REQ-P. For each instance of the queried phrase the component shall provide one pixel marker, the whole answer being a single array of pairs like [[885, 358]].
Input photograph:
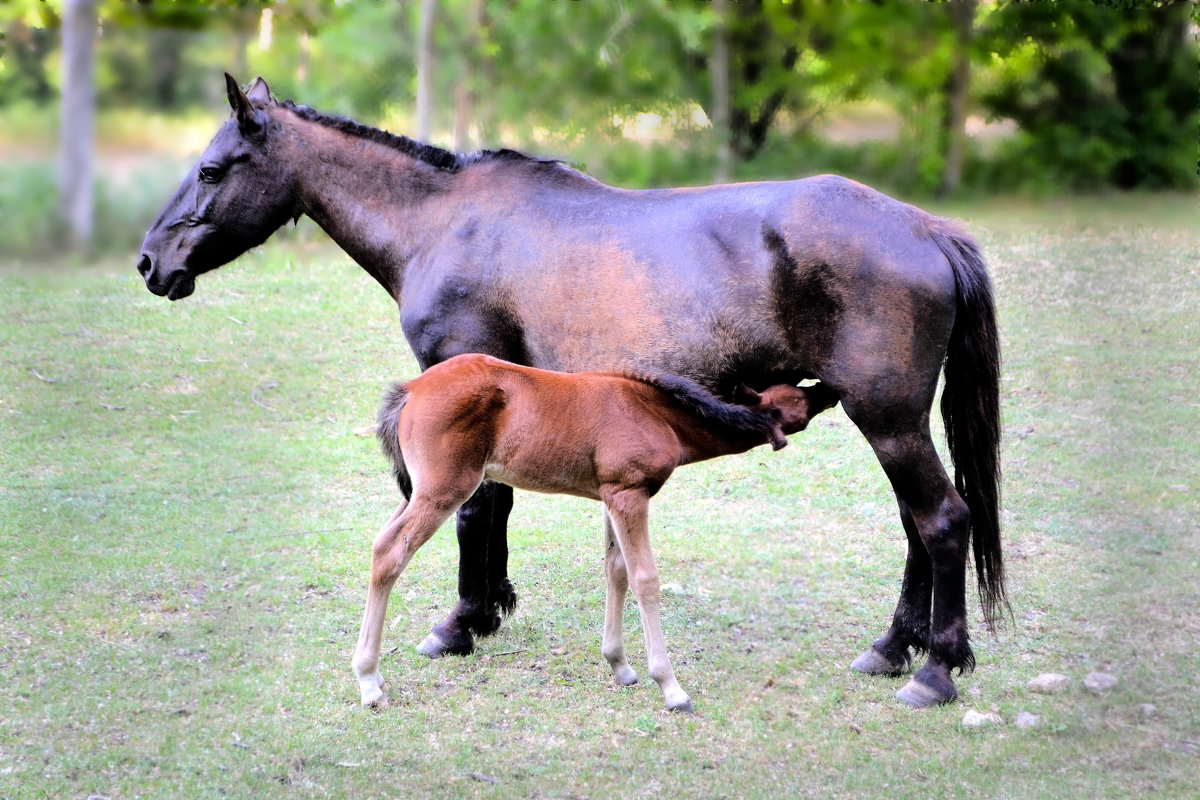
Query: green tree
[[28, 35], [78, 107], [1103, 94]]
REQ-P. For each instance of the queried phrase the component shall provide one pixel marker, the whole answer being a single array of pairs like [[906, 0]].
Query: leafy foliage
[[1102, 95]]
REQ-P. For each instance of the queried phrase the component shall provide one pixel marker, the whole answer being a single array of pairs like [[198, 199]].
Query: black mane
[[426, 153], [708, 407]]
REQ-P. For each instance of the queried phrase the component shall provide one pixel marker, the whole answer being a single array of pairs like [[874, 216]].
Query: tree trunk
[[77, 112], [425, 71], [719, 70], [958, 87], [464, 88]]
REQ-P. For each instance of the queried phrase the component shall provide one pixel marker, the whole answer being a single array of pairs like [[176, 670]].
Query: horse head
[[233, 198], [792, 407]]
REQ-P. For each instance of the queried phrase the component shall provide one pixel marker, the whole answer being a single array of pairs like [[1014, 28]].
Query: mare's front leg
[[617, 585], [484, 591], [411, 525], [629, 510]]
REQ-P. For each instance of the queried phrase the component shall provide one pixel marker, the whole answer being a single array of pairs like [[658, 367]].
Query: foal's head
[[792, 406], [233, 199]]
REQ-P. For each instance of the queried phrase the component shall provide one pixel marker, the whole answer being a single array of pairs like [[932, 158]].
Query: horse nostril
[[145, 266]]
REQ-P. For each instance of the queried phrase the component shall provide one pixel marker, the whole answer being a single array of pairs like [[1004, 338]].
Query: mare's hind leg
[[617, 582], [935, 578], [485, 593], [892, 654], [412, 524]]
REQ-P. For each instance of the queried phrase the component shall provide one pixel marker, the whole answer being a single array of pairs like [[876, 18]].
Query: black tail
[[971, 411], [389, 439]]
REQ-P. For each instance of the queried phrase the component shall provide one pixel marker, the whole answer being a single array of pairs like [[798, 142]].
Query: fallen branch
[[257, 389], [479, 776]]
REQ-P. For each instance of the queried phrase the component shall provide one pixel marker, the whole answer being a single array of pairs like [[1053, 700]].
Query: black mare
[[758, 283]]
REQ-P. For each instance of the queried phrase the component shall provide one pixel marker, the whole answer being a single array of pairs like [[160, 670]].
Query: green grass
[[186, 515]]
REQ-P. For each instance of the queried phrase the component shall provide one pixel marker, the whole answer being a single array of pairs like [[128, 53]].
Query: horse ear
[[743, 395], [259, 92], [241, 106], [237, 98]]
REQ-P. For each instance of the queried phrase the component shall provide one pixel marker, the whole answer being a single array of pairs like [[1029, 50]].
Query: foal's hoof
[[874, 662], [683, 708], [920, 695], [374, 696], [625, 675]]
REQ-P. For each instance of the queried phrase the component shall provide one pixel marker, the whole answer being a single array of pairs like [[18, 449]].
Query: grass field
[[186, 515]]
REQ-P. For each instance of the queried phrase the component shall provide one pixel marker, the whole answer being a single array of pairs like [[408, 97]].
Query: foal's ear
[[743, 395], [241, 103]]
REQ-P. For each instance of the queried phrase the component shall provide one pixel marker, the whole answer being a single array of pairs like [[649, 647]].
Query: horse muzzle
[[174, 285]]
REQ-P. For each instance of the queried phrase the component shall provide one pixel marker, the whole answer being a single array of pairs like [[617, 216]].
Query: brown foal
[[609, 437]]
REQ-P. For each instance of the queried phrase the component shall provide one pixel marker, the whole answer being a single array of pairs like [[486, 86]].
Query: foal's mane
[[710, 408], [426, 153]]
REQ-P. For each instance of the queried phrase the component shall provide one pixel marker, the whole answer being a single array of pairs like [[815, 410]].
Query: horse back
[[544, 431], [763, 283]]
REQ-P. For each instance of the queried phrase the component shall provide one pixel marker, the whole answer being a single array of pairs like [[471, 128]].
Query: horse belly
[[548, 471], [686, 310]]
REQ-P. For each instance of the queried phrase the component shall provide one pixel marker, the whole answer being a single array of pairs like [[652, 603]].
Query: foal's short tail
[[389, 439], [971, 411]]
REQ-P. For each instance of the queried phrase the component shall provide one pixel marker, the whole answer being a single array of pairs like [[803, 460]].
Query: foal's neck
[[701, 441]]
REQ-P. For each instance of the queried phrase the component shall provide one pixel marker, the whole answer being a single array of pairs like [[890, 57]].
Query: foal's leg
[[484, 591], [629, 511], [410, 527], [617, 582]]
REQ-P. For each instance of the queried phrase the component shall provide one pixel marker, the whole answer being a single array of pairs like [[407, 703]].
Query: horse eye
[[211, 174]]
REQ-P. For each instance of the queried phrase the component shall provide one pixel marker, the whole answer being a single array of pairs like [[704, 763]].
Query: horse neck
[[378, 204], [702, 440]]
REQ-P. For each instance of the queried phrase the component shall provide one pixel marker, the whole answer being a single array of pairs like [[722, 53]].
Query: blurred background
[[105, 103]]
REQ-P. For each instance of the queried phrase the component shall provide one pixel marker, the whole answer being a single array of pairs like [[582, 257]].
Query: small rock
[[1148, 710], [975, 719], [1049, 683], [1026, 720], [1099, 682]]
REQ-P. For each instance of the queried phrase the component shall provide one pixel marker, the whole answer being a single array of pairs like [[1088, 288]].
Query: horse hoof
[[682, 708], [373, 697], [874, 662], [919, 695], [433, 646]]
